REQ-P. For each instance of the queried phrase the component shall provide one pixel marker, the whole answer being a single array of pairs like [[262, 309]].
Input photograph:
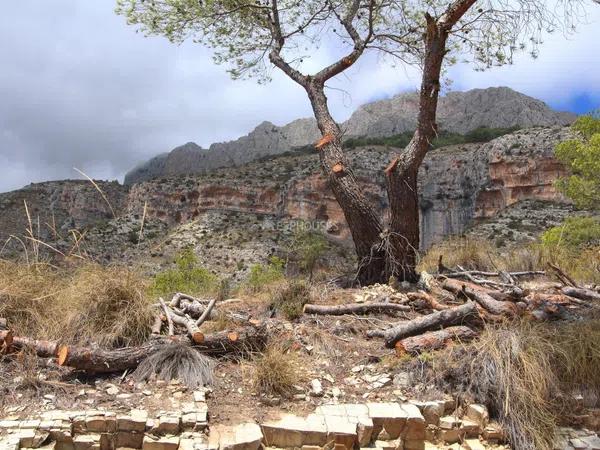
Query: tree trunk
[[403, 238], [362, 218]]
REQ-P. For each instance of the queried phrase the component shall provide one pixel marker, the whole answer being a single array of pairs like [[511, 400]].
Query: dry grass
[[466, 252], [177, 362], [582, 265], [289, 299], [276, 371], [526, 373], [90, 304]]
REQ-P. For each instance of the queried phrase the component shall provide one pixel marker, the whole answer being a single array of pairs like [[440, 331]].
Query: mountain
[[458, 112]]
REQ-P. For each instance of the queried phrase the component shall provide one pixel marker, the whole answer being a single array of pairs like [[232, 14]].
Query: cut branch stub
[[338, 169], [62, 354], [391, 166], [327, 139]]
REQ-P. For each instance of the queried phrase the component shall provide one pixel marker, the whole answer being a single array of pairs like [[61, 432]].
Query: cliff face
[[458, 112], [55, 207], [500, 190], [459, 186]]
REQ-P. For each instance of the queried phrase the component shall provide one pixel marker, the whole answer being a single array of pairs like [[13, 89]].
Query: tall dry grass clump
[[90, 304], [527, 374], [469, 253], [582, 264], [276, 371]]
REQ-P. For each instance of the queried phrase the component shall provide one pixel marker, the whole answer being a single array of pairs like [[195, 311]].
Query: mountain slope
[[458, 112]]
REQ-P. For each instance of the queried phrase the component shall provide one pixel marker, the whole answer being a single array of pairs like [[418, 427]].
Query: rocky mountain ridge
[[245, 213], [458, 112]]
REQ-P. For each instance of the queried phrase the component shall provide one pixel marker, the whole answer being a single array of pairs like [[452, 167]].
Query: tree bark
[[581, 293], [433, 340], [358, 308], [449, 317], [364, 222]]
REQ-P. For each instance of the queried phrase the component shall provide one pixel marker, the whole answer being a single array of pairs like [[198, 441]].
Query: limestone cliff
[[460, 185]]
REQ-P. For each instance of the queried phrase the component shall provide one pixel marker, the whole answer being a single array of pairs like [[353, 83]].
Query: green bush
[[444, 138], [307, 248], [264, 274], [574, 233], [187, 276], [582, 157]]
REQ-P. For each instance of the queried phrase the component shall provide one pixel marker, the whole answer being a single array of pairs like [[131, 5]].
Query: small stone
[[479, 414], [473, 444], [316, 388], [161, 443], [112, 390], [199, 396], [168, 425]]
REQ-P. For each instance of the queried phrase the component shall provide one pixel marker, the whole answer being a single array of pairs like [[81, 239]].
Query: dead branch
[[93, 360], [168, 314], [562, 276], [581, 293], [357, 308], [482, 297], [427, 298], [433, 340], [439, 319], [206, 312]]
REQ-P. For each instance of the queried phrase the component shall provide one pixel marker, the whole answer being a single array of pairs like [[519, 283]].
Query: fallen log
[[94, 360], [428, 299], [482, 297], [581, 293], [439, 319], [358, 308], [10, 343], [433, 340]]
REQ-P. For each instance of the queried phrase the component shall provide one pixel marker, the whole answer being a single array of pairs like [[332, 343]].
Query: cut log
[[3, 324], [581, 293], [11, 343], [193, 331], [94, 360], [429, 299], [453, 316], [433, 340], [354, 308], [482, 297]]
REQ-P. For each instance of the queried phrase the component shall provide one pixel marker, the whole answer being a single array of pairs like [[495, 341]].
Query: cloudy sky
[[79, 88]]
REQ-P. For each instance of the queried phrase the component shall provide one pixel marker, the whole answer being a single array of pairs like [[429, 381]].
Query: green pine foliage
[[582, 157]]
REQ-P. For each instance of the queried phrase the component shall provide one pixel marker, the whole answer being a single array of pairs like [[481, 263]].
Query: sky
[[80, 89]]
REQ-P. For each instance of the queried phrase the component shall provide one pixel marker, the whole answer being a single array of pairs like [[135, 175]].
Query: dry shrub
[[526, 373], [583, 265], [467, 252], [289, 299], [112, 309], [276, 371], [177, 362], [91, 304]]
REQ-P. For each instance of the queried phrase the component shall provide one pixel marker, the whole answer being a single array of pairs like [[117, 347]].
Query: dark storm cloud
[[79, 88]]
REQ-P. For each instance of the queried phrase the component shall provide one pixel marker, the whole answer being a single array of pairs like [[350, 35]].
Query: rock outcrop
[[458, 112], [240, 214], [55, 207], [460, 186]]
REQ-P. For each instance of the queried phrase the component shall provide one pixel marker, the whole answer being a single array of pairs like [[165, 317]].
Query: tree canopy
[[247, 34], [582, 157]]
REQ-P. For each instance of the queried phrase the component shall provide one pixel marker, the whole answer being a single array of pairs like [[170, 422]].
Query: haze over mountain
[[458, 112]]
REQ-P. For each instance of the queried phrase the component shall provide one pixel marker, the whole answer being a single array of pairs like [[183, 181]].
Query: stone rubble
[[411, 425]]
